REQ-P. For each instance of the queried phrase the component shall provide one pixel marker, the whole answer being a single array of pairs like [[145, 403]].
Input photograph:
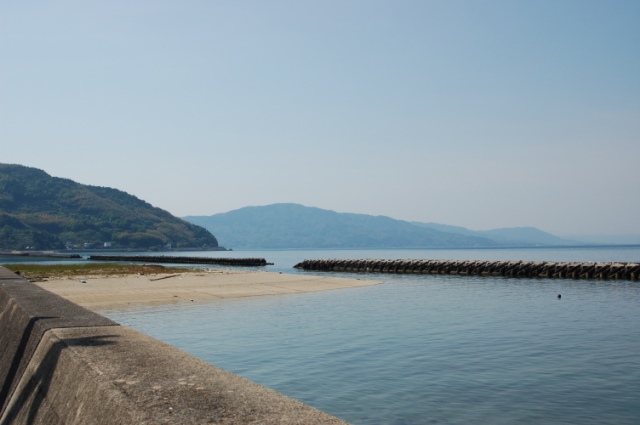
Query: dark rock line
[[527, 269], [42, 254], [240, 262]]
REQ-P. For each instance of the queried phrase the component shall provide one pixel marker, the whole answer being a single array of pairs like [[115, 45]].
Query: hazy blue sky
[[480, 114]]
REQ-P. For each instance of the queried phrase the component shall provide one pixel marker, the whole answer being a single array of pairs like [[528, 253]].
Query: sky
[[482, 114]]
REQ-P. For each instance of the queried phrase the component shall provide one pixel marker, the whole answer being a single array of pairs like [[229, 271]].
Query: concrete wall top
[[26, 313]]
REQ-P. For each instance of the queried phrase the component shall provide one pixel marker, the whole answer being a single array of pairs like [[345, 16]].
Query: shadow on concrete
[[18, 359], [38, 385]]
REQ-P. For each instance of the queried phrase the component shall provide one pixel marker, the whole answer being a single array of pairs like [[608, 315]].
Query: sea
[[429, 349]]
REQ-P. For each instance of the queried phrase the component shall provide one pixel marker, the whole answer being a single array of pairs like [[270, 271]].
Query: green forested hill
[[45, 212]]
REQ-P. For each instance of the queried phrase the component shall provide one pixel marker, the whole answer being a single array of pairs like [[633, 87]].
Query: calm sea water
[[430, 349]]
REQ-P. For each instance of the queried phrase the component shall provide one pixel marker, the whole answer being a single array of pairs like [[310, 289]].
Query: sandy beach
[[115, 292]]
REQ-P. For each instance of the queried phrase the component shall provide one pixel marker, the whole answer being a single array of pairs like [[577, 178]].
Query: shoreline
[[118, 292]]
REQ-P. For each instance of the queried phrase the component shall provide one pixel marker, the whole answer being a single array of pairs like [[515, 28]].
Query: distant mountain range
[[43, 212], [282, 226], [526, 236]]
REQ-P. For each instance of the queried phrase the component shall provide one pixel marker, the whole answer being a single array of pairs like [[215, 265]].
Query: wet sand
[[116, 292]]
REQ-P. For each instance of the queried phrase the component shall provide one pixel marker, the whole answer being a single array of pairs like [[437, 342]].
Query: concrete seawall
[[528, 269], [63, 364], [238, 262]]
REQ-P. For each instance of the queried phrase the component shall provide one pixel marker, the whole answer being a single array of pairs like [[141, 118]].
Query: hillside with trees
[[44, 212], [279, 226], [296, 226]]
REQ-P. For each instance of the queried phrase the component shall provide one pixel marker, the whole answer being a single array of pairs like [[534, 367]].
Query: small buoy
[[559, 296]]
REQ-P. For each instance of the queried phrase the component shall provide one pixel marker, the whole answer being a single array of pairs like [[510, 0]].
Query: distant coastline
[[76, 253], [64, 252]]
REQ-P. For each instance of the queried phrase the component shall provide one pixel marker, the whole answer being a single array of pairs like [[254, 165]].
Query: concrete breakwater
[[528, 269], [239, 262], [42, 254], [62, 364]]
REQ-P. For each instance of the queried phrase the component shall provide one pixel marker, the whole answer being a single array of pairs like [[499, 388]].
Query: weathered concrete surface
[[26, 313], [115, 375], [97, 372], [238, 262], [524, 269]]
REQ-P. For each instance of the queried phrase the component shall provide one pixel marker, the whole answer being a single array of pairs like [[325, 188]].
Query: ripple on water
[[429, 349]]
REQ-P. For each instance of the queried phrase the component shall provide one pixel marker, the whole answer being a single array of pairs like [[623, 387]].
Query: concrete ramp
[[63, 364]]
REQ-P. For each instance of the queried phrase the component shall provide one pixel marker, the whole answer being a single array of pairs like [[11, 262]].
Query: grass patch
[[43, 271]]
